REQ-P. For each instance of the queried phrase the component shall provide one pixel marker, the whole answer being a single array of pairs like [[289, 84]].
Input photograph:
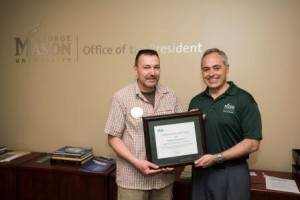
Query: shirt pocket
[[165, 111]]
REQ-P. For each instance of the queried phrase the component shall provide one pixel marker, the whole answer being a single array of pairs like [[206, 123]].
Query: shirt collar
[[232, 90]]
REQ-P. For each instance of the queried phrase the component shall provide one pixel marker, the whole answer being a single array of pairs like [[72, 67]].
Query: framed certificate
[[174, 139]]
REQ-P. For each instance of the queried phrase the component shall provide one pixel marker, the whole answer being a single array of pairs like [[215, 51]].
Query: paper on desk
[[285, 185], [9, 156], [253, 174]]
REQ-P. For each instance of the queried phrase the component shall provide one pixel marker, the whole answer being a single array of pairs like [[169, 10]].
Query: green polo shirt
[[229, 119]]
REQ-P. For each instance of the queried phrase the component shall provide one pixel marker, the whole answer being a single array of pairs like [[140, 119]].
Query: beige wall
[[63, 97]]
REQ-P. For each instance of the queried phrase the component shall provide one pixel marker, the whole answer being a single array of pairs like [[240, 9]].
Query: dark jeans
[[228, 181]]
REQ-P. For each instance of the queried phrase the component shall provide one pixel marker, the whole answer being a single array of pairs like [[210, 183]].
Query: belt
[[228, 163]]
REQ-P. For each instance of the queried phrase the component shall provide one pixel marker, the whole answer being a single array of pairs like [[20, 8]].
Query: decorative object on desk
[[98, 164], [11, 155], [43, 159], [72, 155], [296, 166], [2, 149]]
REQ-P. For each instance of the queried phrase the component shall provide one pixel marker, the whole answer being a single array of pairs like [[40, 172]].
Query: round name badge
[[136, 112]]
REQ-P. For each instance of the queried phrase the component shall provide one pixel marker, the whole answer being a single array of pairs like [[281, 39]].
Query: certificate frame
[[174, 139]]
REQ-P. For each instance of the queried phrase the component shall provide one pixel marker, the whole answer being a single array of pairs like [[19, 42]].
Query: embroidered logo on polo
[[228, 108]]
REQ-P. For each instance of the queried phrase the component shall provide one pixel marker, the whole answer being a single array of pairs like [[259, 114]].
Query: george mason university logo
[[43, 49], [228, 108]]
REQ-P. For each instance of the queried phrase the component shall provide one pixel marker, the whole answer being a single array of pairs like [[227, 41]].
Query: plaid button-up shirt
[[120, 123]]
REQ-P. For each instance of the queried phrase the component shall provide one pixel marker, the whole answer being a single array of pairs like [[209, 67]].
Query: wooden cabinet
[[182, 188], [61, 182], [9, 178], [259, 191], [27, 179]]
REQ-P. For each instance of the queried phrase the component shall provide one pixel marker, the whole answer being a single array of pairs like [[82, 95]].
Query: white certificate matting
[[175, 140]]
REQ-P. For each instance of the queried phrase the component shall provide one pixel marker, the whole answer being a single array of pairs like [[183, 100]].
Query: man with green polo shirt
[[233, 130]]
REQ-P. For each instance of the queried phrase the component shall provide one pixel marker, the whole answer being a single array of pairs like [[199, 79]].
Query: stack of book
[[72, 155]]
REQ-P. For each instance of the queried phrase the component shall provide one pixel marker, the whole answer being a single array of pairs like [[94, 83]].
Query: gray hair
[[218, 51]]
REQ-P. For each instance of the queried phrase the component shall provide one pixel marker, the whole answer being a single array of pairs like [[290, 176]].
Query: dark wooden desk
[[61, 182], [113, 186], [8, 176], [182, 188], [259, 191]]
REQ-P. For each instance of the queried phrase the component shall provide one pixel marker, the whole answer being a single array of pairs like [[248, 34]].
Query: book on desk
[[72, 155], [98, 164]]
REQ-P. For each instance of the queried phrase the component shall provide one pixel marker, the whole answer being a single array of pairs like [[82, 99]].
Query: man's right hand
[[147, 168]]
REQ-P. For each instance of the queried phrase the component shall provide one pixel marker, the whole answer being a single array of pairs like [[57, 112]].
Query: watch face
[[73, 150], [220, 159]]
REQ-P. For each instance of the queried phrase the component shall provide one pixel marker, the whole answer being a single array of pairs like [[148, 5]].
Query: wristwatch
[[219, 158]]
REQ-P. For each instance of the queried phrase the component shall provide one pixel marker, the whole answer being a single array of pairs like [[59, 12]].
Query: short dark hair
[[149, 52], [218, 51]]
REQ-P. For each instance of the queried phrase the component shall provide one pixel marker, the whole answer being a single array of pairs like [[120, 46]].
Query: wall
[[57, 73]]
